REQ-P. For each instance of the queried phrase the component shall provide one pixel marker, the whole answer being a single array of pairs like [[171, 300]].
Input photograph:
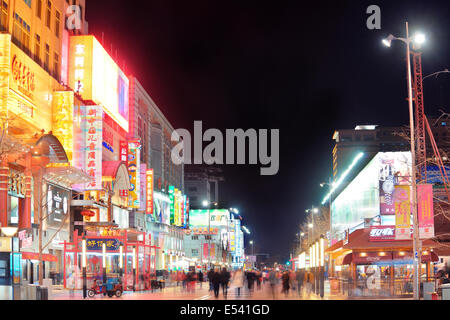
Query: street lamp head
[[310, 225], [419, 38], [322, 184], [302, 234], [205, 203], [387, 42], [251, 241], [315, 210]]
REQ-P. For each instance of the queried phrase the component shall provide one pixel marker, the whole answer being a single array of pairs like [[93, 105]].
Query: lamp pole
[[417, 245]]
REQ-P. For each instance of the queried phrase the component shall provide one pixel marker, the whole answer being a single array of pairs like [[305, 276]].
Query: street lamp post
[[205, 203], [417, 246], [312, 210]]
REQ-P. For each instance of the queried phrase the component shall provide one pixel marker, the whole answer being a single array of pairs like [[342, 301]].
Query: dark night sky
[[306, 69]]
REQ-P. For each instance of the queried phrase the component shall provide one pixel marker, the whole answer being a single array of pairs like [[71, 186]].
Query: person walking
[[224, 281], [238, 281], [258, 276], [299, 276], [210, 277], [250, 280], [273, 282], [200, 278], [285, 283], [216, 279]]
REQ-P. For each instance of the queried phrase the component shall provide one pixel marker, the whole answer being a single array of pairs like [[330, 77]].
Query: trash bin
[[445, 291]]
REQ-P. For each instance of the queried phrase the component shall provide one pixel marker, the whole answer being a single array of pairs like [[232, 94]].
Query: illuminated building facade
[[36, 155]]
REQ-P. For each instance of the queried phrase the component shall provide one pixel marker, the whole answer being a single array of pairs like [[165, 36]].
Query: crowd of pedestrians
[[274, 281]]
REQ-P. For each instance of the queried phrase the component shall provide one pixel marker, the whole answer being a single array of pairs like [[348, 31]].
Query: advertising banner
[[382, 233], [402, 212], [172, 204], [149, 201], [93, 156], [58, 204], [176, 207], [63, 120], [133, 170], [205, 251], [425, 211], [212, 251]]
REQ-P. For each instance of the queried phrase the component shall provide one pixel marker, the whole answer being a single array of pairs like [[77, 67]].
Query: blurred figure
[[258, 276], [216, 279], [292, 280], [238, 281], [309, 282], [190, 281], [224, 280], [183, 279], [200, 278], [210, 277], [250, 280], [273, 282], [299, 276], [285, 283]]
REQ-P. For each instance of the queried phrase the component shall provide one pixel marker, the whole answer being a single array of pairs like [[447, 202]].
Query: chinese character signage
[[149, 201], [133, 171], [172, 205], [93, 154], [97, 244], [425, 210], [63, 119], [402, 213], [123, 149]]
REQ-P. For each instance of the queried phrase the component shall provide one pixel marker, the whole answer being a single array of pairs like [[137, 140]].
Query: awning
[[67, 175], [336, 246], [35, 256], [57, 152], [381, 257], [117, 172]]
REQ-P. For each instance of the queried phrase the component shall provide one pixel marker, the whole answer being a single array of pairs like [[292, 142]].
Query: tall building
[[369, 139], [149, 125], [202, 183], [36, 152]]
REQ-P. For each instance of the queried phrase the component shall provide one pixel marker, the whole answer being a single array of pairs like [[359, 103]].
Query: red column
[[25, 217], [4, 171]]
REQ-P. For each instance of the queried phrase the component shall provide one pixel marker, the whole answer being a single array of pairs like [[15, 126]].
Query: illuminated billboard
[[96, 77], [134, 172], [218, 218], [367, 195], [63, 120]]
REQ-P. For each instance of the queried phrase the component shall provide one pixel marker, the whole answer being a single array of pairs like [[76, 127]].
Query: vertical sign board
[[133, 171], [93, 155], [149, 187], [143, 187], [175, 207], [184, 212], [205, 251], [402, 213], [187, 212], [62, 120], [386, 183], [172, 198], [425, 211], [124, 152]]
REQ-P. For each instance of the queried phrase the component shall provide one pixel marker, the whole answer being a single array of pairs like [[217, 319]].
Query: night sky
[[306, 69]]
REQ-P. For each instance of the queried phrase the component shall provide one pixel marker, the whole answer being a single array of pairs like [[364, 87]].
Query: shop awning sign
[[97, 244]]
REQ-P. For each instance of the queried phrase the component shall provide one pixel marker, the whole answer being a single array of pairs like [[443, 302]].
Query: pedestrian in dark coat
[[200, 278], [224, 280], [210, 277], [250, 280], [216, 280], [285, 282]]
